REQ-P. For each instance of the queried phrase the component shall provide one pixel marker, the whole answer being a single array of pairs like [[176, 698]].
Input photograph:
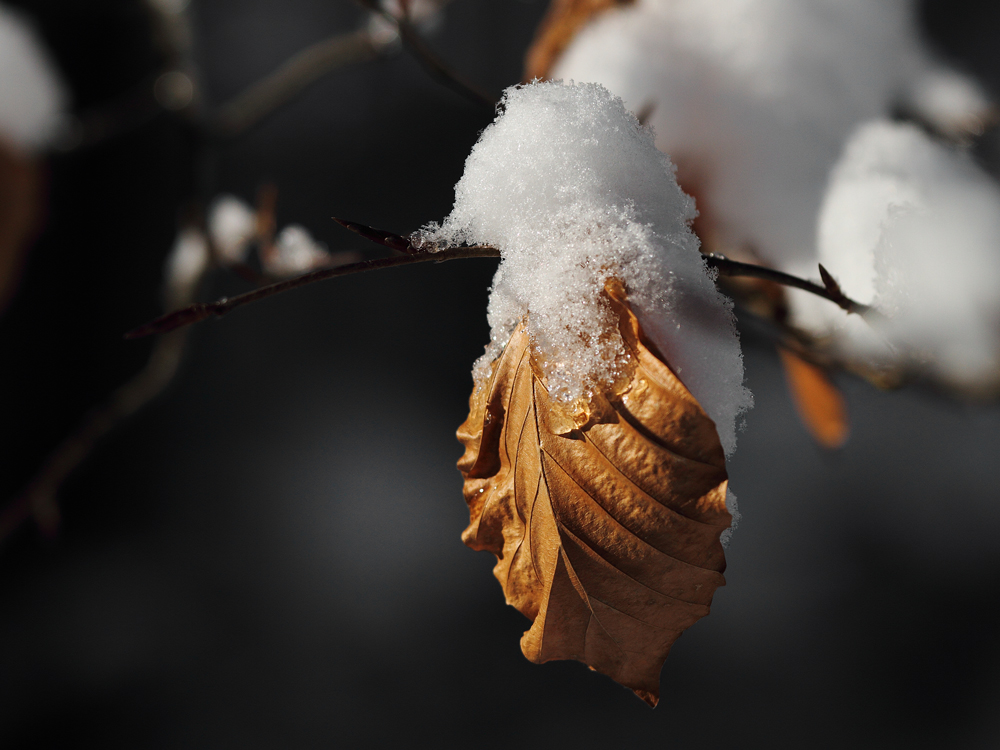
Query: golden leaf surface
[[605, 523], [562, 21]]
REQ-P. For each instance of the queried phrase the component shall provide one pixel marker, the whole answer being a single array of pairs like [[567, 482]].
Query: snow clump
[[913, 227], [754, 99], [185, 266], [294, 252], [33, 97], [573, 192], [426, 14], [232, 224]]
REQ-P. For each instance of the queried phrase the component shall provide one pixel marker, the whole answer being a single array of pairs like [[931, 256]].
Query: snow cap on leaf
[[572, 190]]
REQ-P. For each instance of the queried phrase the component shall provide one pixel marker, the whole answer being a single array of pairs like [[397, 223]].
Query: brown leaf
[[818, 401], [562, 22], [606, 522], [20, 204]]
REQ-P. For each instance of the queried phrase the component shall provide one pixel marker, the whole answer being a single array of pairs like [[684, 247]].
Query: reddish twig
[[413, 254], [380, 236], [201, 311]]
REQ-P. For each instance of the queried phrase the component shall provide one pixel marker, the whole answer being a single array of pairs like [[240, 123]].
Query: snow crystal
[[573, 192], [734, 510], [32, 95], [294, 252], [913, 227], [231, 225], [754, 99]]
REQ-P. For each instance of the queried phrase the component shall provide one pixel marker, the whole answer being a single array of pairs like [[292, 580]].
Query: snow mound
[[573, 192], [32, 95], [754, 99], [913, 227]]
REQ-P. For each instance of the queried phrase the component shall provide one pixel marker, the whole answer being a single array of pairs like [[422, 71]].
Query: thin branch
[[38, 500], [414, 254], [201, 311], [434, 65], [392, 241], [439, 70], [294, 76], [830, 291], [39, 497]]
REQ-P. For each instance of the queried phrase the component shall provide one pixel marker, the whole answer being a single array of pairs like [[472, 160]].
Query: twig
[[38, 500], [39, 497], [437, 68], [289, 80], [830, 291], [433, 64], [415, 254], [201, 311], [388, 239]]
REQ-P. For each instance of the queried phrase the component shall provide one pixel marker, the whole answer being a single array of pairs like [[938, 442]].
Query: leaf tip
[[652, 699]]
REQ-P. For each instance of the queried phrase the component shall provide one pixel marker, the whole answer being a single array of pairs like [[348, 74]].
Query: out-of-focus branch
[[438, 70], [187, 266], [289, 80], [175, 88], [433, 64], [38, 500]]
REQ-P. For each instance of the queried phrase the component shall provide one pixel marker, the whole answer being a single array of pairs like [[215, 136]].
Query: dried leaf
[[605, 522], [563, 20], [20, 204], [818, 401]]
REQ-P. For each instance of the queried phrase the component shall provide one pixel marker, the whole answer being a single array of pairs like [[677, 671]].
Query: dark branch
[[201, 311], [380, 236], [831, 291], [278, 88], [39, 498], [414, 254], [433, 64], [439, 70]]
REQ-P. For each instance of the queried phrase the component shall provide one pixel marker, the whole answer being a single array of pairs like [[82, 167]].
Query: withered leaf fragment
[[606, 526], [818, 401], [21, 197], [561, 23]]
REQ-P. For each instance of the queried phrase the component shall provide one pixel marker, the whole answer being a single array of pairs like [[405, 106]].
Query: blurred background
[[268, 556]]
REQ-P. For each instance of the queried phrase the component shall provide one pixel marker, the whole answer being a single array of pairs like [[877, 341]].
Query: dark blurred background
[[269, 556]]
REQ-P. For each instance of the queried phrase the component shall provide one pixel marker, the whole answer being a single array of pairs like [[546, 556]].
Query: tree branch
[[830, 291], [433, 64], [289, 80], [412, 254], [201, 311], [38, 499]]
